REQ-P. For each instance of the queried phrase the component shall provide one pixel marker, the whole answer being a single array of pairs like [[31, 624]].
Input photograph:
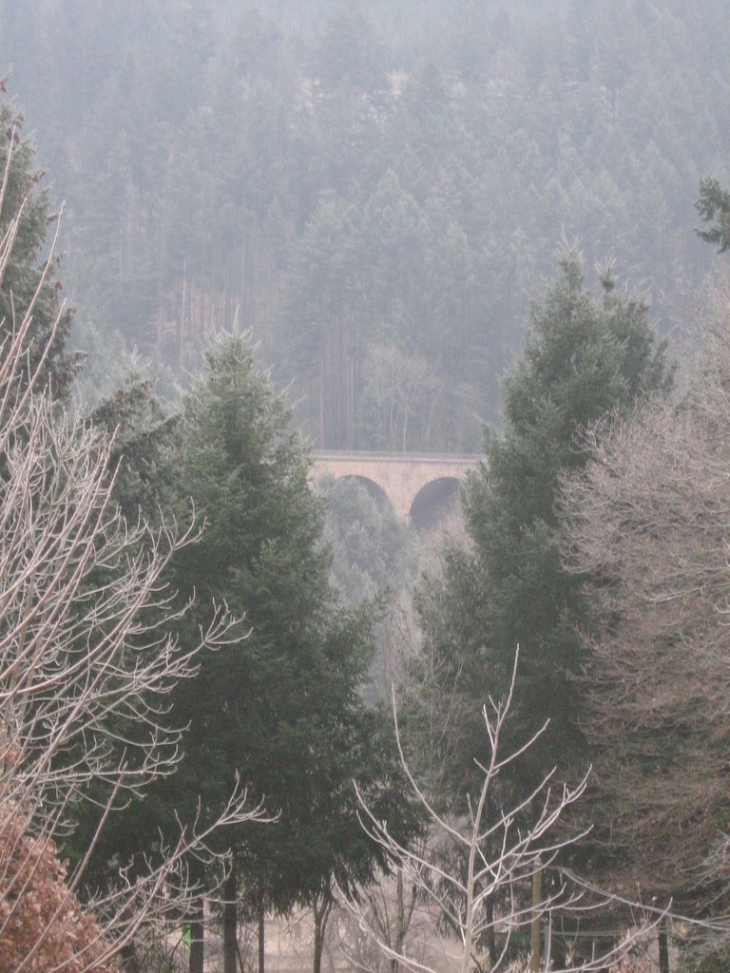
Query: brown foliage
[[43, 927]]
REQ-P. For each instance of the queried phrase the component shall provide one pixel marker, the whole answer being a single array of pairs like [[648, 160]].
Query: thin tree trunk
[[262, 935], [196, 919], [230, 923], [491, 938], [183, 312], [196, 962], [400, 931], [318, 947], [663, 947], [322, 444], [535, 945], [400, 921], [321, 915]]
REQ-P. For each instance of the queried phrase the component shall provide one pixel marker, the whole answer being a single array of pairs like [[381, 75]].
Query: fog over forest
[[377, 189], [458, 704]]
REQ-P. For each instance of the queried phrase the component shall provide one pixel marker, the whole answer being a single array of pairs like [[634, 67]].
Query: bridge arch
[[435, 502], [374, 489]]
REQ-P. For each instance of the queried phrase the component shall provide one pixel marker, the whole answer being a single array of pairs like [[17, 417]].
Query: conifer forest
[[254, 715]]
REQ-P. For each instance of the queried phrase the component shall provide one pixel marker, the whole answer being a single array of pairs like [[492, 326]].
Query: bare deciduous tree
[[86, 665], [400, 397], [648, 525], [478, 874]]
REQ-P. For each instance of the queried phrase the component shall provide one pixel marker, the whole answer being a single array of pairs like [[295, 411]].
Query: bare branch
[[647, 527], [475, 873], [87, 665]]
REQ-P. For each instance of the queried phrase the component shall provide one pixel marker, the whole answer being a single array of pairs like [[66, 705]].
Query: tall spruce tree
[[584, 359], [280, 706]]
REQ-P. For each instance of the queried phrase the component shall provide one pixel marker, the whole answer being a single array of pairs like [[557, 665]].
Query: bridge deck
[[469, 459]]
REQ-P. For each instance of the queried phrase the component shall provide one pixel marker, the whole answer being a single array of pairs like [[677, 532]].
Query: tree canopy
[[368, 182], [29, 284], [584, 359], [280, 706]]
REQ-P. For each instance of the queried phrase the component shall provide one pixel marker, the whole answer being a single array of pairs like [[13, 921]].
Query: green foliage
[[351, 52], [139, 459], [354, 178], [369, 545], [279, 706], [714, 205], [584, 359]]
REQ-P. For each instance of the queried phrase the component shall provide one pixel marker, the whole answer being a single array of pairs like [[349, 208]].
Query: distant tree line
[[375, 191]]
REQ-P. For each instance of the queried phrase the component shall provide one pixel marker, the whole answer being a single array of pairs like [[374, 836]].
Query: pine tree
[[714, 208], [280, 705], [583, 360]]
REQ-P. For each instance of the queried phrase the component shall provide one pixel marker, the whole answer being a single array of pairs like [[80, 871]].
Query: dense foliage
[[584, 360], [87, 659], [94, 645], [646, 530], [280, 706], [29, 284], [377, 188], [375, 192]]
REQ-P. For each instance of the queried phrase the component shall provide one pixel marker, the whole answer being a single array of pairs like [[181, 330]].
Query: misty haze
[[364, 486]]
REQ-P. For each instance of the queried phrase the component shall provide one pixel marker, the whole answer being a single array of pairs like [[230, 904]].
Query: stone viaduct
[[416, 485]]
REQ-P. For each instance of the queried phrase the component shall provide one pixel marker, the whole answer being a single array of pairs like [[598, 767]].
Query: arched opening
[[374, 489], [436, 503]]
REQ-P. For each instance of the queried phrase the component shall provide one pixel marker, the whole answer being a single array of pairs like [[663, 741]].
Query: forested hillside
[[376, 190]]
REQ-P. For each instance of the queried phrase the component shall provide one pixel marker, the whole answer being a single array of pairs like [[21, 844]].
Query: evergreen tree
[[351, 51], [714, 208], [583, 360], [280, 706], [140, 452]]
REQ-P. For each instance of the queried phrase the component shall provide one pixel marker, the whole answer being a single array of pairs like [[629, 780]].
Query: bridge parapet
[[401, 476]]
